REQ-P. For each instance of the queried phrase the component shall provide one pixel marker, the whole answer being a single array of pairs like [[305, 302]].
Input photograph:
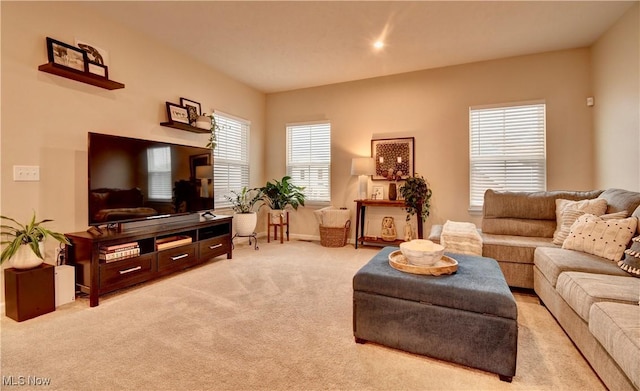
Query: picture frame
[[198, 160], [377, 193], [393, 155], [97, 69], [177, 113], [94, 53], [194, 108], [65, 55]]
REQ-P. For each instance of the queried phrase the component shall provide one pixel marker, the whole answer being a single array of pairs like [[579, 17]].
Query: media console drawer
[[177, 258], [126, 272], [211, 248]]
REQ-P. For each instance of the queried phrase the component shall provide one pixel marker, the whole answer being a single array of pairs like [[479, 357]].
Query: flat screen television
[[132, 179]]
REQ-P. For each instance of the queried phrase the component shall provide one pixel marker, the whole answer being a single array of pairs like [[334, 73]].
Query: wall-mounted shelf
[[83, 77], [181, 126]]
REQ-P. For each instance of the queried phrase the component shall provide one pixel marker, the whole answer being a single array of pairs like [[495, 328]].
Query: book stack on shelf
[[172, 241], [119, 252]]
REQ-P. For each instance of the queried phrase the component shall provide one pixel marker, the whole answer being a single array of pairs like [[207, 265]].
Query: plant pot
[[25, 258], [203, 122], [245, 223], [274, 215]]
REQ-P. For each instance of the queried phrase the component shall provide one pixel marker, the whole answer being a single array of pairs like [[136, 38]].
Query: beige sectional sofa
[[592, 298]]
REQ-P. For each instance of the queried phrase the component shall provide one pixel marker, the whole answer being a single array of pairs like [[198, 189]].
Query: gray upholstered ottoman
[[469, 317]]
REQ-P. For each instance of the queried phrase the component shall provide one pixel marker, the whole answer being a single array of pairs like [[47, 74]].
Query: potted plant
[[277, 195], [25, 242], [242, 204], [417, 196]]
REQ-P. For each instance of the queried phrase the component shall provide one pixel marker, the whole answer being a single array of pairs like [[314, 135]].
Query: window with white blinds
[[230, 157], [309, 159], [507, 149], [159, 173]]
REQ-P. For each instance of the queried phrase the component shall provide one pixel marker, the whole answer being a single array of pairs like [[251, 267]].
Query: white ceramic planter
[[245, 223], [25, 258]]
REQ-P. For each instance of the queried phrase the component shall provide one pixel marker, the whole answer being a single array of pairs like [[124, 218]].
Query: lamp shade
[[362, 166], [204, 172]]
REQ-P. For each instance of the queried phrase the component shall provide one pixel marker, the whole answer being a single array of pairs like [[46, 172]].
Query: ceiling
[[279, 46]]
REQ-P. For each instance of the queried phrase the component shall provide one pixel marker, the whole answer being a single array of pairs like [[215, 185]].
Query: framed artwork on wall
[[194, 109], [394, 158]]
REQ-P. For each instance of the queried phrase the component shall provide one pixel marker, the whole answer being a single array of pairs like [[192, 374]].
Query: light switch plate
[[26, 173]]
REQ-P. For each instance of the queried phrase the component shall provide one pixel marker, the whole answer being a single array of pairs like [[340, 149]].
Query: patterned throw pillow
[[604, 238], [566, 214], [631, 261]]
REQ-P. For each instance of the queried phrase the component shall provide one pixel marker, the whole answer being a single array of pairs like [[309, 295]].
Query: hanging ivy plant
[[214, 127], [417, 196]]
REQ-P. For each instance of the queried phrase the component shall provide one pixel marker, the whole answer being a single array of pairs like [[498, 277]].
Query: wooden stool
[[282, 221]]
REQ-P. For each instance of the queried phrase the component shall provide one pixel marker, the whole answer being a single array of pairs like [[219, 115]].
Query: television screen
[[132, 179]]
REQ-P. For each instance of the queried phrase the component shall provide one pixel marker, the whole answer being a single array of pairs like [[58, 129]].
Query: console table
[[361, 206], [206, 239]]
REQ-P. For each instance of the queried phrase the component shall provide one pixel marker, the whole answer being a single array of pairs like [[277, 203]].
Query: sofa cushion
[[617, 328], [597, 236], [518, 249], [551, 261], [519, 227], [566, 214], [631, 261], [618, 199], [580, 290]]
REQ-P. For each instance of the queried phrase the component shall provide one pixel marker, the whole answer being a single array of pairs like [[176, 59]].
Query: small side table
[[282, 221], [29, 293]]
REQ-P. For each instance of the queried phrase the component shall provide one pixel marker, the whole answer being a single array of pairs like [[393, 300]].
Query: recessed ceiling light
[[378, 45]]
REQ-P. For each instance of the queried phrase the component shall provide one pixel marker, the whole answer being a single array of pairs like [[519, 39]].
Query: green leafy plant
[[417, 196], [244, 201], [280, 194], [213, 141], [30, 234]]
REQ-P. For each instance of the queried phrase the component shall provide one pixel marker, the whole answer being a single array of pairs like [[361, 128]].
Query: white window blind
[[230, 157], [507, 149], [309, 159], [159, 173]]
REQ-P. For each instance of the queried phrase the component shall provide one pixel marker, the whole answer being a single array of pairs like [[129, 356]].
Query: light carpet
[[279, 318]]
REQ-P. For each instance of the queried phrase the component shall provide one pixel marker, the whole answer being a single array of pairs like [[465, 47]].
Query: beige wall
[[432, 106], [616, 88], [45, 118]]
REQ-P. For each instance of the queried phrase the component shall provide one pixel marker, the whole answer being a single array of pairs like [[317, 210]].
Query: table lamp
[[204, 173], [363, 167]]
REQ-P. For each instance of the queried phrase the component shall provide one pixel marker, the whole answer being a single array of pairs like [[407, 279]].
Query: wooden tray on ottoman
[[446, 265]]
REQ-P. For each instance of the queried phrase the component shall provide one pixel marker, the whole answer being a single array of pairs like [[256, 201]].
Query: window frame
[[315, 160], [221, 164], [508, 157]]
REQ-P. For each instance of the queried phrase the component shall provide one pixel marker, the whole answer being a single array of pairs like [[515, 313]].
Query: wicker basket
[[334, 237]]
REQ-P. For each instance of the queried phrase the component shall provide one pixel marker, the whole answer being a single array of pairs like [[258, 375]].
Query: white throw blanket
[[461, 238]]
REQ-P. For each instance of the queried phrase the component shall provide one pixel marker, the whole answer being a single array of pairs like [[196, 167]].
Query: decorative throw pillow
[[631, 261], [596, 206], [604, 238]]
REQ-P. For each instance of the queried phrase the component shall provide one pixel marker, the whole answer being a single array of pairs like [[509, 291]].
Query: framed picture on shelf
[[193, 108], [94, 53], [97, 69], [377, 193], [393, 158], [177, 113], [66, 55]]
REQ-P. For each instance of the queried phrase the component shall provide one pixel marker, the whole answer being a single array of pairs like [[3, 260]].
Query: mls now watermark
[[25, 381]]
